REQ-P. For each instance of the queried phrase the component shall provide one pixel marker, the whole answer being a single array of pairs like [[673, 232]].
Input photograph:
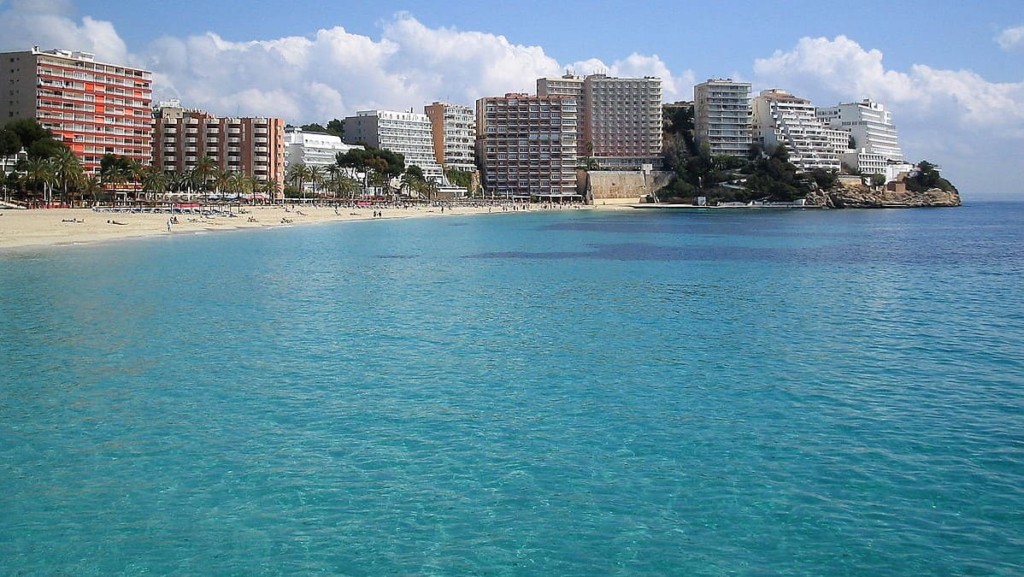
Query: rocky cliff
[[859, 196]]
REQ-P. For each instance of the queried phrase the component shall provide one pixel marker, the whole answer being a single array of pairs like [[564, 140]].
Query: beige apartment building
[[250, 146], [453, 127], [619, 119]]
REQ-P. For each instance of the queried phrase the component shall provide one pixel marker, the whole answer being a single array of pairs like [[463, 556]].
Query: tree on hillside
[[928, 177], [336, 127], [37, 141], [775, 178], [10, 143]]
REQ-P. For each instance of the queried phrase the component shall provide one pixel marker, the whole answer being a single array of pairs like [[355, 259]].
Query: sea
[[553, 392]]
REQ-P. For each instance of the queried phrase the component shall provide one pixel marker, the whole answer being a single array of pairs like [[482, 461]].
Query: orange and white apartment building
[[93, 107]]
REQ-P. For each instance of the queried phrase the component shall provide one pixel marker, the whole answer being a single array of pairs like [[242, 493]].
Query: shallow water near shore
[[552, 393]]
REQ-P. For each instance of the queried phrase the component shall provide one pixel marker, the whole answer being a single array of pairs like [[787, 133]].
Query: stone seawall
[[625, 186]]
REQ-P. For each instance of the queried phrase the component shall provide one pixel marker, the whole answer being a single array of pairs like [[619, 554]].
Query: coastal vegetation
[[763, 175], [335, 127]]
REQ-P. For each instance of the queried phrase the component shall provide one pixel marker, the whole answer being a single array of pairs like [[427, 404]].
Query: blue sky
[[951, 72]]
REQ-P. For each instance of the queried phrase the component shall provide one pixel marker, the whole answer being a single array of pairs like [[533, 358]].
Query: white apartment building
[[875, 140], [722, 116], [405, 133], [781, 119], [312, 148], [454, 133], [620, 125], [869, 123]]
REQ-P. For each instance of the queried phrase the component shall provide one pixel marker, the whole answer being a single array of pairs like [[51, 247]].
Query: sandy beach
[[68, 226]]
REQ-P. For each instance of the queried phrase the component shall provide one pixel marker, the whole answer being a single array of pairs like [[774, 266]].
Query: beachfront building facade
[[869, 124], [94, 108], [252, 146], [873, 142], [453, 131], [526, 146], [781, 119], [406, 133], [622, 125], [619, 119], [312, 148], [721, 116]]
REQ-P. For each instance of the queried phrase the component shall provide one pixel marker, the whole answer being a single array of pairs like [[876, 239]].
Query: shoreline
[[55, 227]]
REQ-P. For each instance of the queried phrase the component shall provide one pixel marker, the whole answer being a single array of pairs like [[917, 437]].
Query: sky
[[951, 72]]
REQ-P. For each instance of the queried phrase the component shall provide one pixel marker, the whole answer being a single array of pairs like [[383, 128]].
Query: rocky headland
[[861, 196]]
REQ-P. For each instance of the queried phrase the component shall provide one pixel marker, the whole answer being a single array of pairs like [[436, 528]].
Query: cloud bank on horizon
[[955, 117]]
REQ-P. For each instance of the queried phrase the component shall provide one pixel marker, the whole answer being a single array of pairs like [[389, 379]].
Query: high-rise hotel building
[[721, 116], [250, 146], [453, 127], [405, 133], [875, 142], [93, 107], [781, 119], [620, 124], [526, 146], [870, 125]]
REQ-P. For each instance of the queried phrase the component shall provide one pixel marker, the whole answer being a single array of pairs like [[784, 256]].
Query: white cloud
[[840, 69], [1011, 39], [957, 117], [635, 65], [44, 23]]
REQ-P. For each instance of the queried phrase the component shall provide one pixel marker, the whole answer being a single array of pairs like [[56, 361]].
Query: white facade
[[721, 116], [779, 118], [405, 133], [313, 148], [869, 123], [454, 133], [868, 163]]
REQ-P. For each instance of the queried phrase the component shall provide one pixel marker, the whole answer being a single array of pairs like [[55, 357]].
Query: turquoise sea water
[[559, 393]]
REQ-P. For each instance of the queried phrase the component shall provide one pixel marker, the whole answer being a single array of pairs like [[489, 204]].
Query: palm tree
[[298, 173], [271, 187], [39, 174], [92, 185], [133, 173], [348, 186], [203, 171], [67, 171], [334, 175], [154, 181], [316, 177], [177, 181]]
